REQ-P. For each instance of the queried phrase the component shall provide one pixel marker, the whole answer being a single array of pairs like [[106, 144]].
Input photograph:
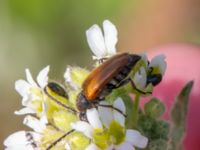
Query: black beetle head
[[82, 103]]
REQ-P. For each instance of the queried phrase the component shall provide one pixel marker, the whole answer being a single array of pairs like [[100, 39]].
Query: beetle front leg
[[110, 106]]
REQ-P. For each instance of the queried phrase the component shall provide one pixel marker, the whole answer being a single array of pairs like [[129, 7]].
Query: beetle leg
[[110, 106], [100, 61], [138, 90], [122, 83], [129, 80], [59, 139], [83, 116]]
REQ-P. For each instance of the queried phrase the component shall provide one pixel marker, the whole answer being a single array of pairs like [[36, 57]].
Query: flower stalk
[[136, 109]]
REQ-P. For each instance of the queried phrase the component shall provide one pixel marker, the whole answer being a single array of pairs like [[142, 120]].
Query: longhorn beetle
[[111, 74]]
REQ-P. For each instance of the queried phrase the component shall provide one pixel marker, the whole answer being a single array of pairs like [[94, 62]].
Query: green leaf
[[178, 117]]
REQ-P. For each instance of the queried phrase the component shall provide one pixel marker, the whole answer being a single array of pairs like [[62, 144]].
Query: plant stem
[[136, 109]]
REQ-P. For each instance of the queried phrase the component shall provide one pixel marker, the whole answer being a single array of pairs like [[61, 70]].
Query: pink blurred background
[[183, 65]]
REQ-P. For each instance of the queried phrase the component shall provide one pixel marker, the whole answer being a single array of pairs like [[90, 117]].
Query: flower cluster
[[50, 108], [106, 129]]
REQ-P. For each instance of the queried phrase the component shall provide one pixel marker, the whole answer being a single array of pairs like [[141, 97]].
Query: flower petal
[[21, 147], [21, 138], [67, 75], [111, 147], [110, 36], [143, 79], [92, 146], [43, 117], [42, 77], [144, 58], [22, 87], [119, 104], [83, 127], [34, 123], [136, 139], [105, 114], [124, 146], [30, 78], [159, 61], [67, 146], [140, 78], [24, 111], [93, 118], [96, 41], [68, 78]]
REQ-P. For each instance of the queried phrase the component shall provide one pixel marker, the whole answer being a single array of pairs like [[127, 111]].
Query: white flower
[[23, 140], [92, 146], [107, 115], [102, 44], [93, 123], [32, 91], [37, 125], [75, 76], [156, 66], [113, 127], [132, 137], [88, 129], [159, 62], [68, 78], [140, 78]]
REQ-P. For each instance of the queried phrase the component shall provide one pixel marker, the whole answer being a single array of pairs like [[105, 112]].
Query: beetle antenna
[[59, 103], [59, 139], [110, 106]]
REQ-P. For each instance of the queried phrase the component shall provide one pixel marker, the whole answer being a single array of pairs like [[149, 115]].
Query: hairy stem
[[136, 109]]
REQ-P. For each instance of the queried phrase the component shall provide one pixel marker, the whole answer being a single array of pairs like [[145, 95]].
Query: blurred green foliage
[[63, 24], [42, 32]]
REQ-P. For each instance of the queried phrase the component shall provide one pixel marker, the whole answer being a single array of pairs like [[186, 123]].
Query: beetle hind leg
[[138, 90], [129, 80]]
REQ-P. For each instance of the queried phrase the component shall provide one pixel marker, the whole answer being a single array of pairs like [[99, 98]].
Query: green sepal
[[78, 75], [63, 120], [77, 141]]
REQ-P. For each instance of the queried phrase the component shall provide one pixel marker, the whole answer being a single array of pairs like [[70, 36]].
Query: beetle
[[111, 74]]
